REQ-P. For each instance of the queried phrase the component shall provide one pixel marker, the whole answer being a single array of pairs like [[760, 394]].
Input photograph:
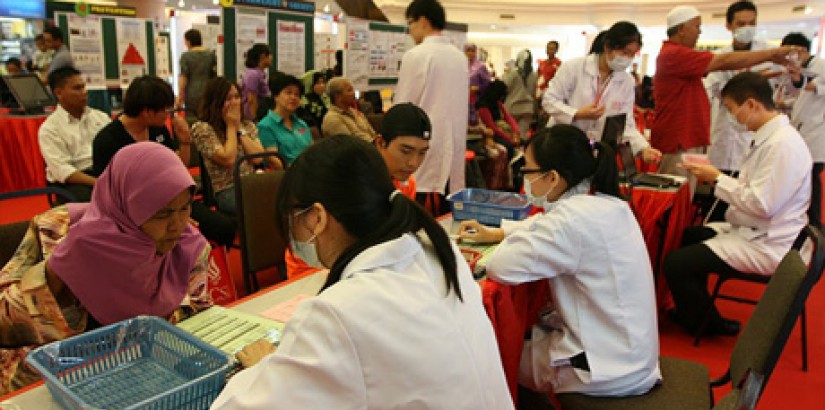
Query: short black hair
[[553, 42], [14, 60], [147, 92], [619, 35], [254, 54], [737, 7], [55, 32], [193, 36], [58, 77], [38, 37], [749, 85], [281, 80], [430, 9], [797, 39]]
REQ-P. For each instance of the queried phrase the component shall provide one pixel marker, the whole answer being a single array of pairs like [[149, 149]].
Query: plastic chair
[[48, 191], [262, 245], [816, 264], [685, 383]]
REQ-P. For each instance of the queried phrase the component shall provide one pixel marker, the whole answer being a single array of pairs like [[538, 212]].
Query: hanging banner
[[131, 49], [86, 38], [250, 29], [291, 47]]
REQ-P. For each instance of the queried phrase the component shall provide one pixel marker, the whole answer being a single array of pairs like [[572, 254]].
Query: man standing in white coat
[[808, 81], [728, 143], [767, 206], [434, 77]]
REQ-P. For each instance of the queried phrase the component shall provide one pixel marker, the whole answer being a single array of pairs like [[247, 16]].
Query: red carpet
[[789, 387]]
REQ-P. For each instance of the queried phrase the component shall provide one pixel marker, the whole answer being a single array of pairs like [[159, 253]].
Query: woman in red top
[[492, 113]]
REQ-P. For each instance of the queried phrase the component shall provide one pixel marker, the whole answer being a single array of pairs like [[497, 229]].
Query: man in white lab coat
[[728, 145], [434, 77], [767, 206], [808, 113]]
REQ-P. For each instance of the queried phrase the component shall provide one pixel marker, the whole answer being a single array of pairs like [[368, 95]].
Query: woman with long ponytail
[[601, 336], [399, 323]]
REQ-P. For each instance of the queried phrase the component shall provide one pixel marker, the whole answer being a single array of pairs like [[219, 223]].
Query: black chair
[[685, 383], [49, 191], [262, 245], [815, 264]]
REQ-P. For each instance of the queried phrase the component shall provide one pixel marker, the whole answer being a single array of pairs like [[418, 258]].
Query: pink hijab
[[108, 263]]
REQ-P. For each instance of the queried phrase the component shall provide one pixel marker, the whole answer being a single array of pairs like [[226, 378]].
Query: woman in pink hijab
[[129, 252]]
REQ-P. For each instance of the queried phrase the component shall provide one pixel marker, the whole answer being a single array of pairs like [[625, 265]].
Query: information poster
[[131, 49], [209, 34], [325, 46], [250, 29], [86, 38], [291, 47], [162, 63], [357, 56]]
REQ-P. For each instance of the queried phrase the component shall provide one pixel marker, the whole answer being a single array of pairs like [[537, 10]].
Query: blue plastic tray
[[488, 207], [141, 363]]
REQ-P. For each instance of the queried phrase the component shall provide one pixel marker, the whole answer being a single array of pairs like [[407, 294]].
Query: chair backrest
[[262, 245], [761, 343], [10, 237], [48, 191], [207, 192]]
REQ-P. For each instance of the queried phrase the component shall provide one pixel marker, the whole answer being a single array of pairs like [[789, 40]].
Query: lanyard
[[601, 87]]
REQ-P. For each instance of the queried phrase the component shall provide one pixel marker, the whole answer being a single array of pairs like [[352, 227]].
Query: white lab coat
[[727, 146], [768, 201], [576, 85], [591, 249], [387, 336], [808, 113], [434, 77]]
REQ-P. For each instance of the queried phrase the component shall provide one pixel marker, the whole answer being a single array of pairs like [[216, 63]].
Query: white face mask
[[744, 35], [620, 63], [305, 250], [537, 201]]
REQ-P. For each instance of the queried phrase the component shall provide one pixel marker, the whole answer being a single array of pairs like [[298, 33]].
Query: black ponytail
[[349, 178], [567, 150]]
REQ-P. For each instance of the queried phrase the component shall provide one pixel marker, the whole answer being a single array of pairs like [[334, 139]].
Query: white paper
[[356, 57], [131, 38], [163, 68], [291, 47], [86, 38], [250, 29], [325, 46]]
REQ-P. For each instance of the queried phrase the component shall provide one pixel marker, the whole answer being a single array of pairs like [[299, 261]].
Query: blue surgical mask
[[538, 201], [305, 250]]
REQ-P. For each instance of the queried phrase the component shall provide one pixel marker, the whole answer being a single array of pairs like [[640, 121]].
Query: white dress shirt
[[576, 85], [768, 200], [808, 113], [591, 249], [386, 336], [66, 142], [727, 146], [434, 77]]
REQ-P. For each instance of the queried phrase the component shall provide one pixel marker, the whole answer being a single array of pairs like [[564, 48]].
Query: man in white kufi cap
[[682, 106]]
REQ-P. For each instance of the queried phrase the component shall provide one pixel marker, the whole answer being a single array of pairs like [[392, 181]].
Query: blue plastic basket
[[488, 207], [141, 363]]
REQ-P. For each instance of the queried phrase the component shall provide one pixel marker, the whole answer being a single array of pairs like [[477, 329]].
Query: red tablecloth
[[657, 211], [21, 164]]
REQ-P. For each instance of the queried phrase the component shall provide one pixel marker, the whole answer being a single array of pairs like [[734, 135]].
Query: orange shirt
[[407, 188]]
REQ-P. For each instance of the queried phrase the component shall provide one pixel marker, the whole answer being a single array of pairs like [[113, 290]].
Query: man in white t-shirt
[[434, 76], [66, 136]]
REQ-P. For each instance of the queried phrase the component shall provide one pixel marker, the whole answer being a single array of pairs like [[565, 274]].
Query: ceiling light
[[326, 8], [492, 26], [216, 2], [181, 4], [809, 10]]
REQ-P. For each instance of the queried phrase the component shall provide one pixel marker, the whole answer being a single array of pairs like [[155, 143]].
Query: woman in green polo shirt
[[281, 130]]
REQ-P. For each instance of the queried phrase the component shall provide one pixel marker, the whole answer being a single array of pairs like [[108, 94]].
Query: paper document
[[284, 310], [230, 330]]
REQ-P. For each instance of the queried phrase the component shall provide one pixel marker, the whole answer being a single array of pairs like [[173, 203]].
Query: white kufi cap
[[681, 14]]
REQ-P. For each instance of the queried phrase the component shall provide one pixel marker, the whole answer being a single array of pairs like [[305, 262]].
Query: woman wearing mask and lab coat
[[399, 323], [601, 337], [588, 89]]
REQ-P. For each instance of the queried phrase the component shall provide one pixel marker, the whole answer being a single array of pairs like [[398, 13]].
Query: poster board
[[232, 63], [252, 30], [163, 54], [290, 48], [325, 47], [373, 55], [86, 38]]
